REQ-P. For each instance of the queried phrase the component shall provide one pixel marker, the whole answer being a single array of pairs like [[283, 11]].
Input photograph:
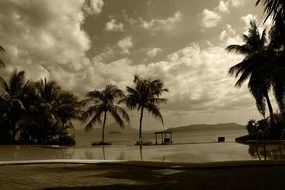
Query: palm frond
[[117, 117], [244, 76], [273, 8], [239, 49], [158, 100], [123, 112], [154, 110], [92, 110], [95, 119]]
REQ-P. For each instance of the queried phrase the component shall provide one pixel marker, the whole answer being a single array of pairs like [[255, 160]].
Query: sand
[[143, 175]]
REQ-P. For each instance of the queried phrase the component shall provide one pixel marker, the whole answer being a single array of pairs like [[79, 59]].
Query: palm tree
[[255, 67], [66, 108], [274, 8], [11, 105], [102, 102], [48, 110], [145, 95]]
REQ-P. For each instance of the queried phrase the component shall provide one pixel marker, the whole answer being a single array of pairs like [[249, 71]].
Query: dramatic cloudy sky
[[84, 45]]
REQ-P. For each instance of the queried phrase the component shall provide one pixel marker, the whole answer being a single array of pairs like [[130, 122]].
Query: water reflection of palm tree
[[141, 152], [103, 153]]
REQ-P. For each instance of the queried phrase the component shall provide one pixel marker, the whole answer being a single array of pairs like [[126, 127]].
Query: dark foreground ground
[[142, 176]]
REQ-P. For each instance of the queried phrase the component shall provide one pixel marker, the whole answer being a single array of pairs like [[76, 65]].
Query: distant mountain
[[207, 127], [113, 128]]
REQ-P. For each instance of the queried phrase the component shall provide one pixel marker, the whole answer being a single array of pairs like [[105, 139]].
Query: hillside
[[207, 127], [112, 128]]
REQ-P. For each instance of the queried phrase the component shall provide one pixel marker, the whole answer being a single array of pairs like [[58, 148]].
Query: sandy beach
[[143, 175]]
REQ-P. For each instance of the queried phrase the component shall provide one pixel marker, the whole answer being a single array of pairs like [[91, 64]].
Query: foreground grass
[[141, 177]]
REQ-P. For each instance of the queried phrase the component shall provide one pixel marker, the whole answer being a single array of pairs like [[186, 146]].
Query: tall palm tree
[[254, 66], [145, 95], [103, 102]]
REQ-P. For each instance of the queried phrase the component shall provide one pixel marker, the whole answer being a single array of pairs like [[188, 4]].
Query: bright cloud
[[125, 44], [113, 25], [223, 7], [153, 52], [210, 19], [93, 6], [44, 41], [161, 24], [246, 19], [186, 68], [237, 3], [230, 36]]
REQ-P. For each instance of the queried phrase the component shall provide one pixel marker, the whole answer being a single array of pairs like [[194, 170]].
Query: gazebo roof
[[163, 132]]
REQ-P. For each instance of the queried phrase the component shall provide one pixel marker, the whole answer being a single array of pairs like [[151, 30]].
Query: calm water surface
[[202, 148], [205, 152]]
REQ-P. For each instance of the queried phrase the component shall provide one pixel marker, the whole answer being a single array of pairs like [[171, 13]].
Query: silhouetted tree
[[255, 66], [11, 105], [48, 110], [66, 108], [145, 95], [102, 102]]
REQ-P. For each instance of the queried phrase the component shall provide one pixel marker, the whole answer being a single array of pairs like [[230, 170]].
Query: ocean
[[192, 147]]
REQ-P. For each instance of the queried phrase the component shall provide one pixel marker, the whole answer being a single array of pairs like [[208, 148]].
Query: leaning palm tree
[[276, 10], [145, 96], [255, 67], [103, 102]]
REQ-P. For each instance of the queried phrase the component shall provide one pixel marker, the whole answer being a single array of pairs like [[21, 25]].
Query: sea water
[[189, 147]]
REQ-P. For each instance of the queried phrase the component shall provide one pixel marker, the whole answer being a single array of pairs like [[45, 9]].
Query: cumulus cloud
[[210, 19], [152, 52], [113, 25], [223, 7], [125, 44], [247, 18], [157, 24], [191, 72], [93, 6], [229, 36], [45, 38], [237, 3]]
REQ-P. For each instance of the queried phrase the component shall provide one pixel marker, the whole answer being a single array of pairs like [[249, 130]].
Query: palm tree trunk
[[140, 130], [103, 127], [269, 107]]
